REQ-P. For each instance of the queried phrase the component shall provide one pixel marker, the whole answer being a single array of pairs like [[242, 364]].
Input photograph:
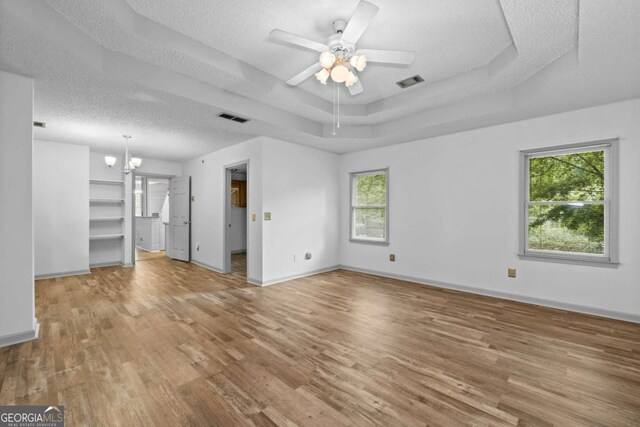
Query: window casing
[[569, 203], [369, 207]]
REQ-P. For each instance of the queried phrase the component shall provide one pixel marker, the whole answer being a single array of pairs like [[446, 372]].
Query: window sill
[[370, 242], [594, 262]]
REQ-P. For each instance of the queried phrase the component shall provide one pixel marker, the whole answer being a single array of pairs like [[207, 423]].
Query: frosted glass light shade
[[110, 161], [327, 59], [135, 162], [339, 73], [359, 62], [322, 76], [351, 79]]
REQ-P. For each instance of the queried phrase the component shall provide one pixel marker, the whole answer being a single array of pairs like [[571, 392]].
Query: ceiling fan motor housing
[[339, 47]]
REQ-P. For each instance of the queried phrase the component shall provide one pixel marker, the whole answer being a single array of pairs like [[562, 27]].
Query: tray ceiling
[[166, 68]]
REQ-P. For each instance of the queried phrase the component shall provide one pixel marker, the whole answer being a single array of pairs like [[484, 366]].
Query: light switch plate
[[511, 272], [267, 216], [253, 217]]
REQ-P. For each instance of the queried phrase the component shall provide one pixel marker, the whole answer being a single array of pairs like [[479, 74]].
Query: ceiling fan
[[339, 57]]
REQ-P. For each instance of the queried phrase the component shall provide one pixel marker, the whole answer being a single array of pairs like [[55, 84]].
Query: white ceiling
[[162, 70]]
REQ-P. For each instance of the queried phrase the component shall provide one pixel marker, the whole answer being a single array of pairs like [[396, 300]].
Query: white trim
[[207, 266], [21, 337], [106, 264], [593, 311], [270, 282], [61, 274]]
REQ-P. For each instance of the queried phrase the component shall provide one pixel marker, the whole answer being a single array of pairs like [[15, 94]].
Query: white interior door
[[179, 218]]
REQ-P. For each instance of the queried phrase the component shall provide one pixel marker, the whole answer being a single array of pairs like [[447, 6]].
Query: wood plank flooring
[[169, 343]]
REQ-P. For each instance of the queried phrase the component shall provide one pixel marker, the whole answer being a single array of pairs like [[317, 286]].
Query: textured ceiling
[[471, 32], [162, 70]]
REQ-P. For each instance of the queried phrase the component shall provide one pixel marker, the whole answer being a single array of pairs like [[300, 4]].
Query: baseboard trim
[[106, 264], [21, 337], [297, 276], [207, 266], [611, 314], [62, 274], [239, 251]]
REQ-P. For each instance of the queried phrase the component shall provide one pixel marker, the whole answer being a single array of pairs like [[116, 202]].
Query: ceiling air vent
[[234, 118], [40, 124], [410, 81]]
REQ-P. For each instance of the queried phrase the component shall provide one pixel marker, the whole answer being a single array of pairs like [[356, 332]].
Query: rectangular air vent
[[410, 81], [40, 124], [234, 118]]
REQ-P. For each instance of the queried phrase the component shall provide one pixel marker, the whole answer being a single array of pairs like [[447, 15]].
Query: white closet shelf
[[106, 236], [106, 182], [106, 218], [106, 200]]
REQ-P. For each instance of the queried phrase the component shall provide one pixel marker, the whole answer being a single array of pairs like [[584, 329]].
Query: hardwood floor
[[142, 255], [169, 343], [239, 265]]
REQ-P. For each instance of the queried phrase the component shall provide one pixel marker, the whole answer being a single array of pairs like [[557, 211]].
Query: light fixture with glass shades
[[130, 164], [336, 67], [339, 58]]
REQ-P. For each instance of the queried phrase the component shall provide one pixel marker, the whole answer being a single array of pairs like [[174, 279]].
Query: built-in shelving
[[106, 182], [106, 236], [106, 221]]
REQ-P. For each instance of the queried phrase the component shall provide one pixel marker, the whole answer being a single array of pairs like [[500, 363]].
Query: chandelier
[[130, 164], [340, 67]]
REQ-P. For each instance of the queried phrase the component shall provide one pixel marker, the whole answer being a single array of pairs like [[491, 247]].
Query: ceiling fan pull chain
[[334, 109], [338, 90]]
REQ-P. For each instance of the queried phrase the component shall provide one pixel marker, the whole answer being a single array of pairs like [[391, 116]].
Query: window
[[569, 203], [370, 207]]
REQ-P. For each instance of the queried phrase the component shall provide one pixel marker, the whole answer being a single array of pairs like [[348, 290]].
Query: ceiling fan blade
[[304, 75], [291, 39], [388, 56], [357, 87], [359, 22]]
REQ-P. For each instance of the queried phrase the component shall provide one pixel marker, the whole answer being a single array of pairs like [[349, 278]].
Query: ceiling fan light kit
[[339, 58]]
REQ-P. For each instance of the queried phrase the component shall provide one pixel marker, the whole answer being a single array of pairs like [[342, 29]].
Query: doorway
[[151, 217], [236, 218]]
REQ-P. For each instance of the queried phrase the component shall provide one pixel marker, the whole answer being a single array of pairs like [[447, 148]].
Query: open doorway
[[236, 218], [151, 211]]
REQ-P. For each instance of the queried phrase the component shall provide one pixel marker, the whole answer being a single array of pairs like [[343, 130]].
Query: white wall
[[300, 190], [17, 303], [156, 196], [207, 210], [454, 212], [160, 167], [61, 208]]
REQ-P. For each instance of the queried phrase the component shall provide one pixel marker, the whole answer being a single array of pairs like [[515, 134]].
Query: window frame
[[610, 203], [353, 207]]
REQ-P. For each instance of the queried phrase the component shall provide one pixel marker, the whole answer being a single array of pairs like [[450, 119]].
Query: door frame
[[133, 206], [226, 248]]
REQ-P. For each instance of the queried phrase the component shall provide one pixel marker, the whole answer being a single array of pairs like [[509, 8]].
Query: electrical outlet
[[267, 216], [307, 256], [253, 217], [392, 257], [511, 272]]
